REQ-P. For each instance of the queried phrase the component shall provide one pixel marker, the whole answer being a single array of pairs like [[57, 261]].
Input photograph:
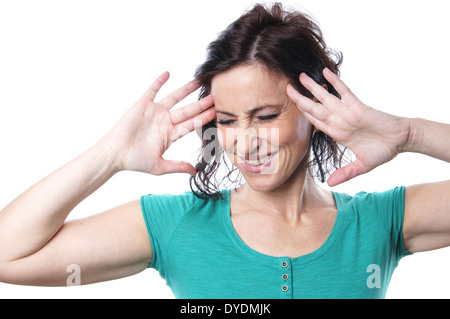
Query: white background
[[70, 69]]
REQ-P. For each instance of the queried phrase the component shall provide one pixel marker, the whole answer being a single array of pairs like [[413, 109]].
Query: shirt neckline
[[335, 232]]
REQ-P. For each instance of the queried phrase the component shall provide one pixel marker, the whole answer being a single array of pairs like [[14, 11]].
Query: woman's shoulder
[[183, 202], [385, 207], [376, 198]]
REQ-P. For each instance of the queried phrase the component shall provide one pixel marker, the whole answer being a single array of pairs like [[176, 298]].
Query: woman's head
[[246, 71]]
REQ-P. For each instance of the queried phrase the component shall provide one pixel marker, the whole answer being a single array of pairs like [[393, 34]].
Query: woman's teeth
[[257, 162]]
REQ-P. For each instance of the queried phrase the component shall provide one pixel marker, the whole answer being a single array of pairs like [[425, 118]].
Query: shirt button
[[285, 276], [285, 288], [284, 264]]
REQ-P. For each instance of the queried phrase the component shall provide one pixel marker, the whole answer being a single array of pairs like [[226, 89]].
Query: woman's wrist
[[109, 156], [412, 141]]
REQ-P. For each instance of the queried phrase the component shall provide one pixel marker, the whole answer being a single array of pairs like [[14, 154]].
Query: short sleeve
[[390, 208], [162, 213]]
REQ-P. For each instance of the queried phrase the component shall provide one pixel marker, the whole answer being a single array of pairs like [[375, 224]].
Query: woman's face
[[259, 127]]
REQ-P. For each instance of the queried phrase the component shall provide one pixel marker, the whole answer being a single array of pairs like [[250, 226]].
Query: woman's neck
[[297, 195]]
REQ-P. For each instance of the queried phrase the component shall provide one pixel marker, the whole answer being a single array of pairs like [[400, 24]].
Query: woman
[[270, 97]]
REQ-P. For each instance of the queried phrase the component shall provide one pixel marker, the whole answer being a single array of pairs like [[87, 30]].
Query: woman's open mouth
[[257, 164]]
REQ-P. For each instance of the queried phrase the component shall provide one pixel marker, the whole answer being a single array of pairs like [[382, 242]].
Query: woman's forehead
[[248, 86]]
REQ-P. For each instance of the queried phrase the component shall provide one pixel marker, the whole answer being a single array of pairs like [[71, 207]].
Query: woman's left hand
[[374, 137]]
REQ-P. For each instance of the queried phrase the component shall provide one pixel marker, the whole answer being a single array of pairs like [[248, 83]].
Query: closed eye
[[225, 122], [267, 117], [261, 118]]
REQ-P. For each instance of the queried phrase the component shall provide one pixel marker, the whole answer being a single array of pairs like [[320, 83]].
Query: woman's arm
[[41, 210], [375, 138], [429, 138], [37, 246], [427, 206]]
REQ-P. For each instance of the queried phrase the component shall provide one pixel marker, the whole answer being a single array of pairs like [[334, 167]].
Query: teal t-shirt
[[199, 254]]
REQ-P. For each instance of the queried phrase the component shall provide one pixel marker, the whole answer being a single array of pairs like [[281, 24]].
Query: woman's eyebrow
[[226, 113], [256, 109]]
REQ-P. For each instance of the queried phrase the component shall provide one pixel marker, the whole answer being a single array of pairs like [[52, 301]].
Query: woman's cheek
[[304, 127], [298, 130], [225, 141]]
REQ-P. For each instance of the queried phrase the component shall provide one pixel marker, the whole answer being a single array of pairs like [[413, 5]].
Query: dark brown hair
[[285, 42]]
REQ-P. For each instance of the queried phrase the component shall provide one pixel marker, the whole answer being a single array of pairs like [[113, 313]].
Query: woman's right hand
[[142, 135]]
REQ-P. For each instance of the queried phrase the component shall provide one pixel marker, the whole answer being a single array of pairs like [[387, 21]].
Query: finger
[[171, 166], [346, 173], [343, 90], [319, 125], [156, 86], [306, 105], [194, 123], [179, 94], [319, 92], [187, 112]]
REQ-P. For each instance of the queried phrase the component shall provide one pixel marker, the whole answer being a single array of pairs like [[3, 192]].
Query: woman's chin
[[262, 182]]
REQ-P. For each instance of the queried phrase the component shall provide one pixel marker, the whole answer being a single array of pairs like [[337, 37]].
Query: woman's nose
[[246, 142]]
